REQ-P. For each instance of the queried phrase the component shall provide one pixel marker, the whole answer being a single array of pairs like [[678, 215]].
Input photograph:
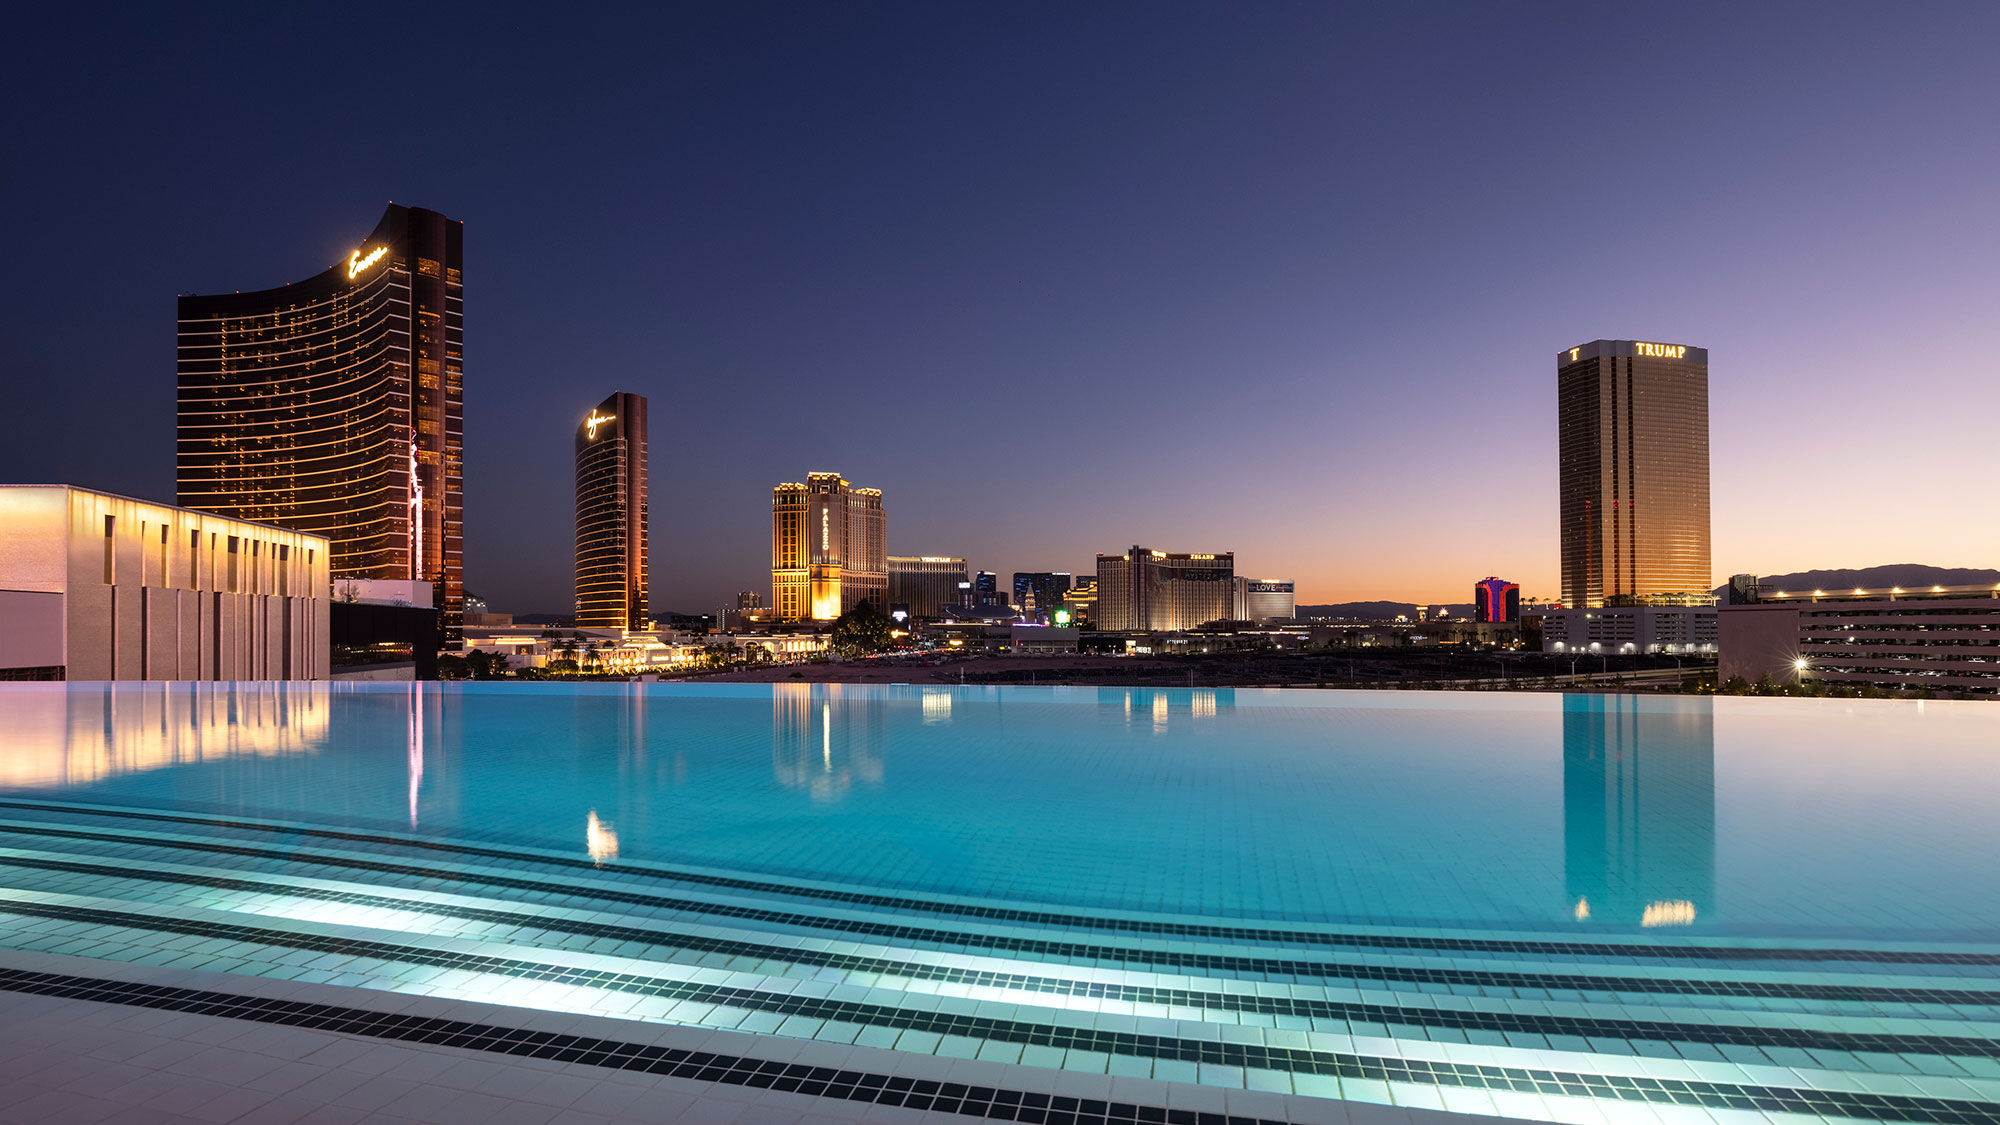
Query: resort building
[[1265, 599], [1082, 600], [333, 406], [1941, 639], [1632, 431], [1144, 590], [611, 560], [1496, 600], [95, 586], [826, 549], [1613, 630], [926, 584]]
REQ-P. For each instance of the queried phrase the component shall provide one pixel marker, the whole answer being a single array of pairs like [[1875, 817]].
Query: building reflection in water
[[937, 705], [415, 753], [1638, 810], [825, 738], [1160, 705], [75, 735]]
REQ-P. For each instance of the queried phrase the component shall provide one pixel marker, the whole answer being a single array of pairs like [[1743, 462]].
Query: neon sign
[[1661, 351], [595, 420], [1572, 354], [357, 261]]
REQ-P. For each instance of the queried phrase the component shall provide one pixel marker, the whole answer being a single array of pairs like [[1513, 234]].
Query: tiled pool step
[[1873, 1033], [1527, 1088], [765, 888], [1864, 1005]]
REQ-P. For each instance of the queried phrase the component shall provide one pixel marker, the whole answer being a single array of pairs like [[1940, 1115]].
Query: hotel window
[[110, 529], [284, 571], [194, 560], [231, 586], [163, 556]]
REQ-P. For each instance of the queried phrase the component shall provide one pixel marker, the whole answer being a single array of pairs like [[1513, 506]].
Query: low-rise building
[[1944, 640], [1629, 629], [1265, 599], [96, 586]]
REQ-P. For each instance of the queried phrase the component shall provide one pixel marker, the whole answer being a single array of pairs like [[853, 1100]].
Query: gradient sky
[[1283, 279]]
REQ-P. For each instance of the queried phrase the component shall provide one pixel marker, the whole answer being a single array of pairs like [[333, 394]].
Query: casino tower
[[611, 515], [333, 406], [1632, 424], [827, 551]]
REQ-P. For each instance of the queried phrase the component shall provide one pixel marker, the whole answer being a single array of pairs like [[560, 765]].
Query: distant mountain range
[[1908, 575], [1378, 611]]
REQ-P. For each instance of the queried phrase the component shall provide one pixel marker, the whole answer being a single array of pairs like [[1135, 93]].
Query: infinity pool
[[1530, 905]]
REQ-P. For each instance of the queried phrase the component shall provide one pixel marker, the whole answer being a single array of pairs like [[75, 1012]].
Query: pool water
[[1532, 905]]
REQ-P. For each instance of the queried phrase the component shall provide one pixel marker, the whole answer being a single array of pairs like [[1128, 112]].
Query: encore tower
[[1632, 419], [611, 515], [333, 407], [826, 549]]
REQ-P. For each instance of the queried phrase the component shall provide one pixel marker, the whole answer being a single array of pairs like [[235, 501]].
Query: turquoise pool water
[[1736, 895]]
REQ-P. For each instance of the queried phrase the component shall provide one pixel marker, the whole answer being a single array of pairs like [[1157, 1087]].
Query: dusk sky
[[1283, 279]]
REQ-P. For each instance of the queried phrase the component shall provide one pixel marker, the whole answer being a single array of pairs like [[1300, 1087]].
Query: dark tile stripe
[[1077, 953], [701, 1066], [1245, 933], [1036, 1034], [1001, 1104], [1426, 1016]]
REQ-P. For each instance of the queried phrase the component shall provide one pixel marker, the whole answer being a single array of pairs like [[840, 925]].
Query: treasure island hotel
[[332, 406], [827, 551], [1632, 421], [611, 515]]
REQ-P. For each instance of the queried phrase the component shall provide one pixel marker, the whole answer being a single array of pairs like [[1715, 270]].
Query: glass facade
[[928, 584], [334, 407], [611, 516], [1632, 421]]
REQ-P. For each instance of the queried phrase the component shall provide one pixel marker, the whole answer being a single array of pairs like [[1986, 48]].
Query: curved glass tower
[[333, 406], [611, 515]]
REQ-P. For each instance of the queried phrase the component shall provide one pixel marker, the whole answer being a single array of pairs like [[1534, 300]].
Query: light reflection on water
[[1614, 813], [57, 738]]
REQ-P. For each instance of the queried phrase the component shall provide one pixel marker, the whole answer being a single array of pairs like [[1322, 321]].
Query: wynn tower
[[1632, 423], [611, 515], [333, 406]]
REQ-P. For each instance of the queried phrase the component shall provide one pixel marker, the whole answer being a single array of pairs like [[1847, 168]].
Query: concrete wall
[[154, 592], [1757, 641]]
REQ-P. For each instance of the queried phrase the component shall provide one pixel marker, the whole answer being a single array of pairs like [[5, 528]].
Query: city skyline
[[1334, 292]]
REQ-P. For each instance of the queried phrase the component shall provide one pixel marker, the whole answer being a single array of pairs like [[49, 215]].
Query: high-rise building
[[332, 406], [1153, 591], [1040, 592], [1496, 600], [927, 584], [1632, 421], [986, 589], [611, 563], [826, 549]]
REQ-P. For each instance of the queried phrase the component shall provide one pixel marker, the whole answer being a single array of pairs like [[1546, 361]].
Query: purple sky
[[1282, 279]]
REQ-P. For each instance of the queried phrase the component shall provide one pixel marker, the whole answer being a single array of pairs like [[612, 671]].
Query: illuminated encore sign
[[595, 420], [1662, 351], [357, 261]]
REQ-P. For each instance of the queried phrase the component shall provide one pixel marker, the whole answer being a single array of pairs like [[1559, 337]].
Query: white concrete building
[[1629, 629], [95, 586]]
